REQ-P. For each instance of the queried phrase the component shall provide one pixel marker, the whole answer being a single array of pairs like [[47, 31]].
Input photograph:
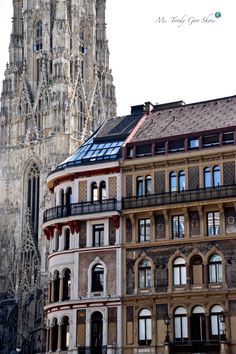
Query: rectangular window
[[178, 226], [210, 140], [193, 143], [160, 148], [228, 138], [144, 150], [98, 235], [144, 231], [213, 223], [176, 145]]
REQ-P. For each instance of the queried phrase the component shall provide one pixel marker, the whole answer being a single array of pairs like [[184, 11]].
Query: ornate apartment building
[[84, 310], [179, 230], [142, 237], [57, 90]]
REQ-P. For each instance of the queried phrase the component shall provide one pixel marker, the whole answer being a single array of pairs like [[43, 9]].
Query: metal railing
[[195, 346], [75, 209], [184, 196]]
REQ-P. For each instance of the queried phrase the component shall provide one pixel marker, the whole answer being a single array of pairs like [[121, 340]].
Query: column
[[208, 326], [61, 286], [167, 225], [49, 291], [50, 339], [59, 337], [205, 274], [201, 218], [188, 277], [186, 224], [222, 219], [152, 226], [134, 231], [52, 290]]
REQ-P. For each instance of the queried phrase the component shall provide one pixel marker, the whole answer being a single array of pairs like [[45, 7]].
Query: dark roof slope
[[187, 119]]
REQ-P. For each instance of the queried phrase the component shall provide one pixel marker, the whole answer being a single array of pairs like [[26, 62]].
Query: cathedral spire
[[16, 43]]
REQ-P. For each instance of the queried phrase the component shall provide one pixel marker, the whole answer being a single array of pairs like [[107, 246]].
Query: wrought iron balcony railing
[[184, 196], [75, 209], [195, 346]]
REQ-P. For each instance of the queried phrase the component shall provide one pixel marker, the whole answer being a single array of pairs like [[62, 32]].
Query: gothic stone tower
[[58, 88]]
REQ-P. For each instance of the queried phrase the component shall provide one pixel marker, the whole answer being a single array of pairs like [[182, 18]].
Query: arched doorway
[[96, 332], [198, 324]]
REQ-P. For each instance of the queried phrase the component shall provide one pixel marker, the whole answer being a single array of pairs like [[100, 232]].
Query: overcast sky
[[163, 50]]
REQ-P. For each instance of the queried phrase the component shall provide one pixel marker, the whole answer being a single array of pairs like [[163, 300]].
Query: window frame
[[215, 227], [179, 235], [147, 319], [215, 270], [101, 237], [145, 237], [180, 268], [146, 272], [97, 285]]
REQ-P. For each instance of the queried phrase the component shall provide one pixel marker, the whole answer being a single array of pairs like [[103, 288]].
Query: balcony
[[93, 350], [76, 209], [185, 196], [195, 346]]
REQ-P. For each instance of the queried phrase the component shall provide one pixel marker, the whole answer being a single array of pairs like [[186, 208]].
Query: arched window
[[207, 177], [198, 324], [215, 269], [54, 335], [67, 285], [33, 197], [97, 278], [94, 192], [68, 201], [61, 197], [102, 191], [139, 186], [145, 327], [39, 36], [144, 274], [217, 326], [216, 176], [67, 239], [173, 182], [180, 272], [65, 333], [181, 180], [148, 185], [196, 270], [180, 324], [56, 281]]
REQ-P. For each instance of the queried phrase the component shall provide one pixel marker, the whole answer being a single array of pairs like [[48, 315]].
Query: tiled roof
[[187, 119]]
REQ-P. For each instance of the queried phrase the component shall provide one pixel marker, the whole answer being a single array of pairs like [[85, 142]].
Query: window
[[180, 324], [145, 327], [217, 327], [98, 235], [180, 272], [144, 274], [215, 269], [207, 177], [213, 223], [210, 140], [228, 138], [67, 285], [65, 333], [39, 36], [173, 182], [102, 191], [216, 176], [94, 192], [144, 150], [144, 230], [56, 241], [56, 280], [196, 270], [160, 148], [178, 226], [33, 186], [193, 143], [97, 278], [139, 186], [181, 180], [176, 145], [148, 185], [54, 335], [67, 239]]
